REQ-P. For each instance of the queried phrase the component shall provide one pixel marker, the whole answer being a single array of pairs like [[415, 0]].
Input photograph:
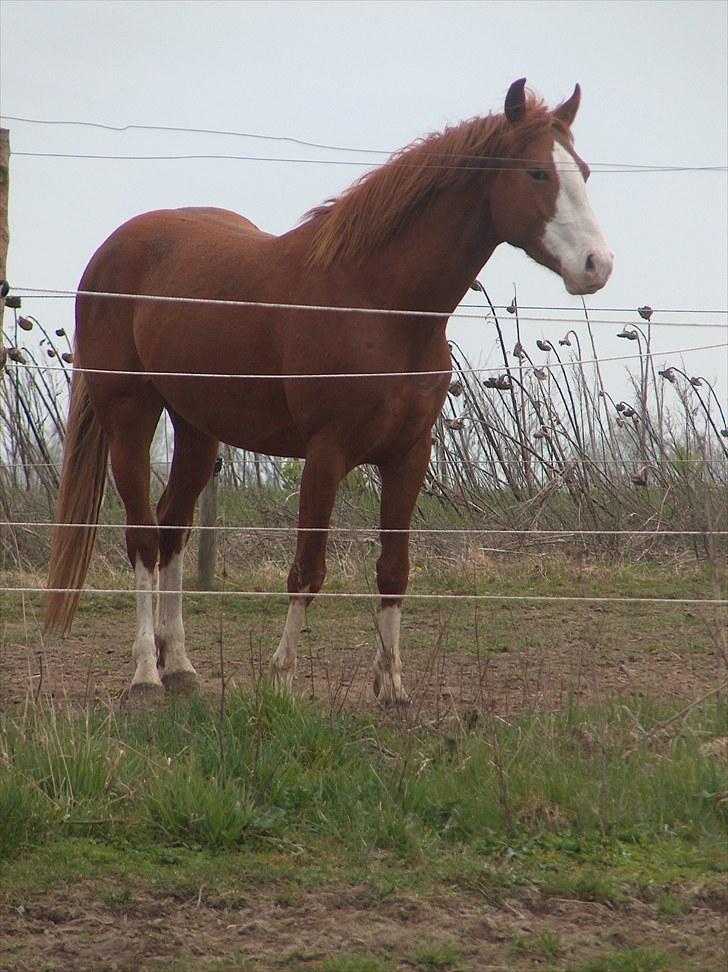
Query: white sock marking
[[144, 651], [170, 630], [388, 664], [283, 663]]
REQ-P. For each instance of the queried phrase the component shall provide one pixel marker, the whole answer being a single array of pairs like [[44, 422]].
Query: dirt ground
[[585, 654], [154, 932]]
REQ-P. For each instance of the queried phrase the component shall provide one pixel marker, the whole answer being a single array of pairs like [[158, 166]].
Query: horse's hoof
[[394, 704], [393, 699], [181, 683], [386, 693], [143, 694]]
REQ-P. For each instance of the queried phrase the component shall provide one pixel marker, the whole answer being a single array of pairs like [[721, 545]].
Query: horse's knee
[[172, 542], [142, 543], [308, 578], [393, 574]]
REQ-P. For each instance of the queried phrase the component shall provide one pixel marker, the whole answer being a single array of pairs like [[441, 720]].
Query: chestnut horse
[[411, 235]]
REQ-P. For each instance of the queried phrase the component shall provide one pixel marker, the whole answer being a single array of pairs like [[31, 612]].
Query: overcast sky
[[373, 75]]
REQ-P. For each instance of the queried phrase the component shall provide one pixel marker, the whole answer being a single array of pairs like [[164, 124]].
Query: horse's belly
[[244, 412]]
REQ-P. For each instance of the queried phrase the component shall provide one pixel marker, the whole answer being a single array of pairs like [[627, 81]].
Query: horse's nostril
[[590, 266]]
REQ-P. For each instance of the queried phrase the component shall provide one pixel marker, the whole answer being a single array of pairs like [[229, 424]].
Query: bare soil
[[540, 656], [83, 929]]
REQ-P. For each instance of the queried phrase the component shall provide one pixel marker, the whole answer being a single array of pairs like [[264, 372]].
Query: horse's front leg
[[401, 483], [178, 672], [324, 470]]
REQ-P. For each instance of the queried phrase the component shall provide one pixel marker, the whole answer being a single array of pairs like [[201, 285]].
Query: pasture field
[[554, 796]]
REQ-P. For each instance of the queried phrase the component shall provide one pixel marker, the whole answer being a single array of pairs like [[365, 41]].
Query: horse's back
[[184, 225], [172, 251], [224, 217]]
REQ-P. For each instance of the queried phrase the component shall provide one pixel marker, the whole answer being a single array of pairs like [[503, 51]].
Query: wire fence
[[299, 376], [483, 314], [259, 136], [369, 530], [254, 460], [371, 596]]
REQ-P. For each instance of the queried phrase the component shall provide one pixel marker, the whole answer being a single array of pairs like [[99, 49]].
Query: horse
[[408, 237]]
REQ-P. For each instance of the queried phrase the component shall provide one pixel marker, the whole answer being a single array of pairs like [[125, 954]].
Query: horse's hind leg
[[401, 483], [130, 422], [324, 470], [192, 464]]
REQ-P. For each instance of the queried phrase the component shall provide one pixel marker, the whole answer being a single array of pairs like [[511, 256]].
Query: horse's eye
[[539, 175]]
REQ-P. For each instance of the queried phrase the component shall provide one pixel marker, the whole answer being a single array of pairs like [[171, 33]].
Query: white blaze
[[572, 236]]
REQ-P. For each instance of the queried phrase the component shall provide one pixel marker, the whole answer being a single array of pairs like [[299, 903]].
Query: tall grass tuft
[[297, 774]]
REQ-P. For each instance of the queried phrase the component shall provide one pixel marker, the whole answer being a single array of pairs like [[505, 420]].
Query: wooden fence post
[[4, 240], [207, 553], [4, 232]]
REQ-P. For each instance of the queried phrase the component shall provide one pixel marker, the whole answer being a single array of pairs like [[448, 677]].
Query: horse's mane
[[373, 209]]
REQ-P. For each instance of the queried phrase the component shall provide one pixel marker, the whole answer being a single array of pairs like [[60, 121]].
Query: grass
[[355, 962], [288, 799], [629, 960], [548, 945], [277, 770], [437, 956], [670, 905]]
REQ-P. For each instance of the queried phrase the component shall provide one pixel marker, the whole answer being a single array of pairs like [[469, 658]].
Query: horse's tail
[[79, 499]]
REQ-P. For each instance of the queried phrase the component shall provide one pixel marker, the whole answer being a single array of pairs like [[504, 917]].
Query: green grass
[[546, 945], [283, 806], [354, 962], [287, 798], [279, 770], [629, 960], [436, 956], [670, 905]]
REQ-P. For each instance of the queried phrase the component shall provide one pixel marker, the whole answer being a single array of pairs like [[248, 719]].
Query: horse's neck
[[433, 260]]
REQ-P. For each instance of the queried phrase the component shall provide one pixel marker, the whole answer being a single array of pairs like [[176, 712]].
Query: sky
[[375, 75]]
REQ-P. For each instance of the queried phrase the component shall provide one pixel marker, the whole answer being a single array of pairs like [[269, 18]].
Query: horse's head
[[540, 202]]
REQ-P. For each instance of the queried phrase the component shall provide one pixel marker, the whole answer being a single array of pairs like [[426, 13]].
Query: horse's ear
[[515, 106], [566, 111]]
